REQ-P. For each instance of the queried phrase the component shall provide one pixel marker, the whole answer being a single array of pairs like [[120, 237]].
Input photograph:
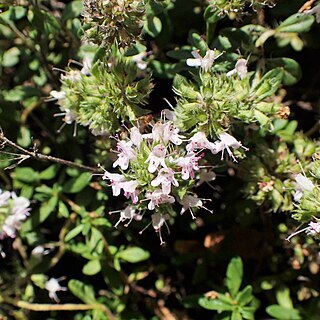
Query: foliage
[[123, 114]]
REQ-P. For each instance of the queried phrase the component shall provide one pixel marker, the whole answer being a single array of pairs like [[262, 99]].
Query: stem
[[57, 307], [34, 154]]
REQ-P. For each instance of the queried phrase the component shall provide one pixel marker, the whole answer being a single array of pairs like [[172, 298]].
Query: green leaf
[[82, 291], [268, 84], [197, 41], [63, 210], [211, 15], [26, 174], [296, 23], [133, 255], [261, 118], [153, 26], [47, 208], [74, 232], [245, 296], [215, 304], [10, 57], [20, 93], [44, 21], [14, 13], [92, 267], [77, 184], [236, 315], [72, 10], [234, 275], [281, 313], [291, 68], [50, 172], [283, 298]]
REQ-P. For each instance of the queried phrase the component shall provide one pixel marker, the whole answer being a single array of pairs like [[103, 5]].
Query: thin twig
[[57, 307], [39, 156]]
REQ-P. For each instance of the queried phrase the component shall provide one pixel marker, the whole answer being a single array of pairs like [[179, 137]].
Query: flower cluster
[[13, 211], [159, 169]]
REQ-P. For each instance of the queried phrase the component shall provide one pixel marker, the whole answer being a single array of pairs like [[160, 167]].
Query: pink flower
[[135, 136], [158, 197], [189, 165], [156, 158], [227, 141], [126, 154], [165, 178], [189, 202], [314, 229], [158, 220], [199, 141], [240, 69], [116, 181], [129, 213], [129, 188]]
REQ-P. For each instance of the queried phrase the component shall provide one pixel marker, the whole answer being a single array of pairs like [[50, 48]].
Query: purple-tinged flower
[[4, 197], [126, 153], [304, 184], [116, 181], [227, 141], [189, 202], [165, 178], [206, 176], [128, 213], [240, 69], [189, 165], [199, 141], [313, 229], [156, 158], [135, 136], [53, 287], [130, 190], [158, 220], [158, 197]]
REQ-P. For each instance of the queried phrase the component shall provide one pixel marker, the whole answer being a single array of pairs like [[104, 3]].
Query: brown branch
[[39, 156]]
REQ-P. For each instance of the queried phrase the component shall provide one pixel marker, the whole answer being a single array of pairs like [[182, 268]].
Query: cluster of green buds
[[105, 94], [270, 171], [237, 7], [108, 22], [162, 168], [215, 100]]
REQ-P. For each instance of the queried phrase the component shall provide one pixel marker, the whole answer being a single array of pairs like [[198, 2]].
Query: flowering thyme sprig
[[159, 170]]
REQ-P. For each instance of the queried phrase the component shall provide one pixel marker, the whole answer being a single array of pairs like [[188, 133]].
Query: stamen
[[146, 227], [295, 233]]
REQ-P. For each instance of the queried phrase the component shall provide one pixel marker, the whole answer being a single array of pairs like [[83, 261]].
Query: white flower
[[58, 95], [206, 176], [158, 220], [18, 211], [158, 197], [205, 62], [189, 165], [165, 132], [116, 181], [156, 158], [315, 10], [199, 141], [72, 75], [138, 59], [240, 69], [135, 136], [129, 213], [87, 65], [129, 188], [53, 287], [40, 251], [165, 178], [314, 229], [304, 184], [227, 141], [189, 202], [4, 197], [126, 153]]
